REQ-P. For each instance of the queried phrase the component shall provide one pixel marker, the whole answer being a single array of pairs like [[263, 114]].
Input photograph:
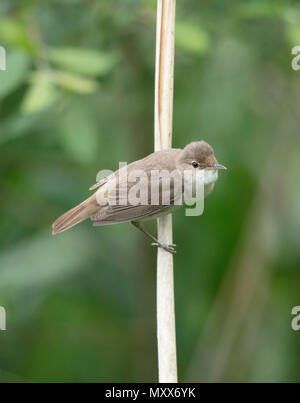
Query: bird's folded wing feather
[[102, 181], [119, 209]]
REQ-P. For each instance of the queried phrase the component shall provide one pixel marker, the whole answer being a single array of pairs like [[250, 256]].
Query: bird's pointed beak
[[219, 166]]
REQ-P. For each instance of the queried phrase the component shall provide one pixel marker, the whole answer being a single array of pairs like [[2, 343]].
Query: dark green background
[[77, 97]]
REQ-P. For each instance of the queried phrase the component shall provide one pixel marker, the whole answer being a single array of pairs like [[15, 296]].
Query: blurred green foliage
[[77, 97]]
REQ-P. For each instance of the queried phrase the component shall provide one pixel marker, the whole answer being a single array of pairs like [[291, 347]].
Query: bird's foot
[[169, 248]]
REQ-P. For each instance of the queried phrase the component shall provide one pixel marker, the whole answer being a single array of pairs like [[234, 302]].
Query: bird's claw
[[169, 248]]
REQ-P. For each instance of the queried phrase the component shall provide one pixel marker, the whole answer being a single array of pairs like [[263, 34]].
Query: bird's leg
[[168, 248]]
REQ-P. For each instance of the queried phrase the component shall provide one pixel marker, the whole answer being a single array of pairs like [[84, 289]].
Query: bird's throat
[[210, 176]]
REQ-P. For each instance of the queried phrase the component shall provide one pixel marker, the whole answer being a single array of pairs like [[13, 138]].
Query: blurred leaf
[[259, 9], [17, 64], [14, 33], [83, 61], [293, 34], [78, 134], [75, 83], [292, 19], [40, 261], [5, 5], [191, 37], [16, 126], [40, 94]]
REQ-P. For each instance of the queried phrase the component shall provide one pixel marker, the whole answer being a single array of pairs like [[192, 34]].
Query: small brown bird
[[111, 203]]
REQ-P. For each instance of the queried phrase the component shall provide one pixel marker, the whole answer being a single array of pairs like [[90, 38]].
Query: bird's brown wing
[[119, 210], [124, 214]]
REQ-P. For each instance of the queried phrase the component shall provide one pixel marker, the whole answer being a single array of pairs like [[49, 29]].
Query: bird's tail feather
[[75, 215]]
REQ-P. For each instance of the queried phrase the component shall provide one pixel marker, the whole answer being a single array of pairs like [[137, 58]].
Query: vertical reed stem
[[164, 77]]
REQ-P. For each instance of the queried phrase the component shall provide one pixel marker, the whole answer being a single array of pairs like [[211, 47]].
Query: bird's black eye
[[195, 164]]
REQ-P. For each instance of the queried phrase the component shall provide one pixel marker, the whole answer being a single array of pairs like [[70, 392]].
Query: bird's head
[[198, 155]]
